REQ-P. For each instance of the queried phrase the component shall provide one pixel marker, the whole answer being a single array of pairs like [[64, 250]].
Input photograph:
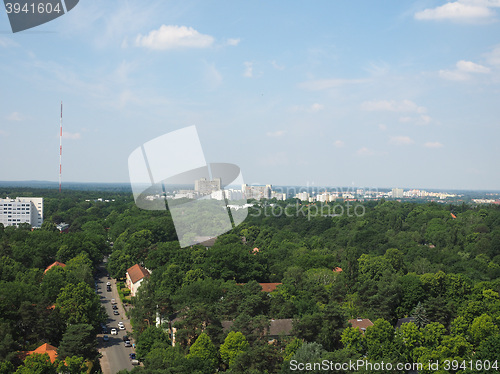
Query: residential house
[[361, 323], [134, 277]]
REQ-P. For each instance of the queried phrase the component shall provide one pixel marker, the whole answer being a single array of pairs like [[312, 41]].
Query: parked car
[[114, 332], [113, 301], [104, 329], [121, 327], [105, 338], [135, 362], [115, 312], [108, 284], [127, 344], [125, 338], [132, 356], [115, 307]]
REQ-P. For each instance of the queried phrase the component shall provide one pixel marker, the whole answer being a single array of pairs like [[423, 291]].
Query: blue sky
[[341, 93]]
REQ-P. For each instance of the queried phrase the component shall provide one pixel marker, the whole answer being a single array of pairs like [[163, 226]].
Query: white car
[[113, 301], [121, 326], [114, 332]]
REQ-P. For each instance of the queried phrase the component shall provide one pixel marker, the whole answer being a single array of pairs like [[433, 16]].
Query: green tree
[[37, 364], [79, 304], [204, 352], [420, 315], [234, 344], [482, 327], [353, 339], [310, 353], [78, 340], [6, 367], [291, 348], [73, 365], [380, 339], [152, 337]]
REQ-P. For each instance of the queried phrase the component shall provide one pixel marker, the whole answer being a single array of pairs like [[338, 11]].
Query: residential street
[[115, 356]]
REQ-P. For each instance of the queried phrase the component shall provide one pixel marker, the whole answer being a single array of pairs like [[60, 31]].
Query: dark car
[[104, 329], [132, 356], [105, 338], [115, 307], [125, 338]]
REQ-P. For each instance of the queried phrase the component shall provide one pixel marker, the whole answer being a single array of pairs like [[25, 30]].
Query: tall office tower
[[13, 212]]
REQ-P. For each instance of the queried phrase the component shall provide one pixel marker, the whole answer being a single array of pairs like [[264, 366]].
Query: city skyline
[[393, 94]]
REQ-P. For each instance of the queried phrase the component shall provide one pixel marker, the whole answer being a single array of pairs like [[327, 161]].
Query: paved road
[[115, 356]]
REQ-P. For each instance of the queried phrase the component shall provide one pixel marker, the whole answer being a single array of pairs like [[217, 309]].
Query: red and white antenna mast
[[60, 150]]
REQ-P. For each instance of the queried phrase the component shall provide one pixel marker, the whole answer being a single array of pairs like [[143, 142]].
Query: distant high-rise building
[[397, 193], [256, 192], [204, 186], [13, 212]]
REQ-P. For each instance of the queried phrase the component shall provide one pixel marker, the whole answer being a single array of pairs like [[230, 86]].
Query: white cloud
[[170, 37], [277, 66], [424, 120], [71, 135], [6, 42], [401, 140], [471, 67], [3, 133], [421, 119], [382, 127], [433, 145], [338, 143], [212, 76], [364, 151], [248, 69], [392, 106], [463, 71], [276, 134], [493, 58], [324, 84], [233, 42], [460, 11], [15, 116], [316, 107], [313, 108]]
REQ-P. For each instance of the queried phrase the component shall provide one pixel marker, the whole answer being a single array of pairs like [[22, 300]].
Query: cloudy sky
[[361, 93]]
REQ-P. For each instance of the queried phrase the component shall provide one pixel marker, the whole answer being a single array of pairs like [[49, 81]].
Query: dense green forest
[[438, 263]]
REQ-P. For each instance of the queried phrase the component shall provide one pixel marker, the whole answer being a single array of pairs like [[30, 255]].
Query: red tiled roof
[[337, 270], [57, 263], [269, 287], [46, 348], [137, 272], [361, 323]]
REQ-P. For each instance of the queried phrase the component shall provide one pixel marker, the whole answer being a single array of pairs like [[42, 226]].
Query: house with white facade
[[134, 277]]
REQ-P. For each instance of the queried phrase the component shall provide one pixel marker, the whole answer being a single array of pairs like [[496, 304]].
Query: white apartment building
[[13, 212], [397, 193]]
